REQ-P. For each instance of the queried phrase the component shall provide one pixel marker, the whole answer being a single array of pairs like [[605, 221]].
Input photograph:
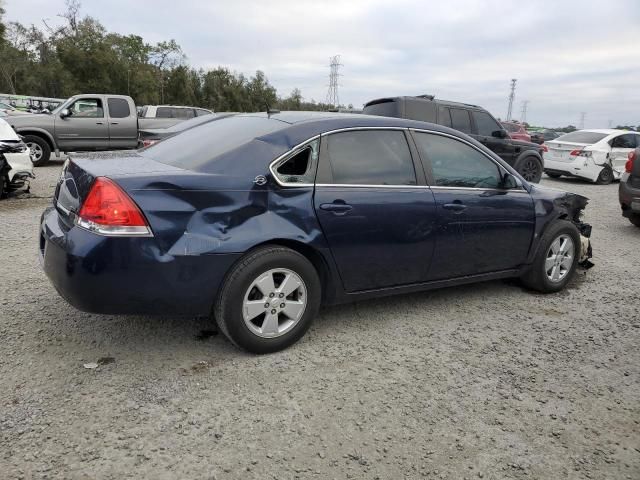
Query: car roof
[[608, 131], [429, 98]]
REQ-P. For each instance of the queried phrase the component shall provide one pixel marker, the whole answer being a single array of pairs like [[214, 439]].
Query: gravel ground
[[485, 381]]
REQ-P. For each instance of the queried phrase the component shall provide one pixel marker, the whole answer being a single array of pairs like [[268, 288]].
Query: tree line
[[81, 56]]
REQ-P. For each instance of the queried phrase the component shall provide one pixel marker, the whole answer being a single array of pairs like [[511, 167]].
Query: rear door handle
[[456, 207], [114, 123], [337, 208], [99, 123]]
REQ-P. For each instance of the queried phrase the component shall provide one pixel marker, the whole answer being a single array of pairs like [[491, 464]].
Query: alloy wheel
[[274, 303], [559, 258], [530, 170], [35, 151]]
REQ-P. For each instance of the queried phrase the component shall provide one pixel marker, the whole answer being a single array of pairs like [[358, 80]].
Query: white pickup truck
[[87, 122]]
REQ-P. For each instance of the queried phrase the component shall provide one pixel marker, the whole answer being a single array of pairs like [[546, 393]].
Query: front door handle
[[457, 207], [337, 208], [99, 123], [114, 123]]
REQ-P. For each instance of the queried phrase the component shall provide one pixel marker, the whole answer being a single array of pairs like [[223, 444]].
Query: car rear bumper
[[109, 275], [629, 196], [580, 167]]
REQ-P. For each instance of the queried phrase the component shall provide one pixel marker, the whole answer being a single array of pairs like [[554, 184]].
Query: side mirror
[[508, 181], [499, 134], [65, 113]]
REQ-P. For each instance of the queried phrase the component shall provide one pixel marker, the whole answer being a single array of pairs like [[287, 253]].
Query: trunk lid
[[559, 151]]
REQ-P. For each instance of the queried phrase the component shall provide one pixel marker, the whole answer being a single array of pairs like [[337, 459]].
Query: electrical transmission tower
[[523, 113], [583, 115], [512, 96], [333, 98]]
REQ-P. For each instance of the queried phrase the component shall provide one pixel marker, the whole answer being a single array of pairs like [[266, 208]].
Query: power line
[[333, 98], [583, 115], [523, 112], [512, 96]]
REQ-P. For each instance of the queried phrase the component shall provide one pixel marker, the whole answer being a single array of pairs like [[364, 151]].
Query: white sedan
[[595, 155], [15, 162]]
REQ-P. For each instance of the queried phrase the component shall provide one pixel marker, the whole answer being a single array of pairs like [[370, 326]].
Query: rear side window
[[486, 125], [118, 108], [582, 137], [460, 120], [300, 167], [183, 113], [456, 164], [444, 117], [375, 157], [385, 107], [422, 110], [164, 112], [624, 141]]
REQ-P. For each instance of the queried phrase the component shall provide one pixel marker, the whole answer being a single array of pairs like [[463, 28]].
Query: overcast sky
[[568, 56]]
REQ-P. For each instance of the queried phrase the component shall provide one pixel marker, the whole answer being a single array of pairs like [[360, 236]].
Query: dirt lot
[[487, 381]]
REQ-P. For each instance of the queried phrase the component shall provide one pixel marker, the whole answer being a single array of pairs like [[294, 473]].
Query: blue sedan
[[259, 219]]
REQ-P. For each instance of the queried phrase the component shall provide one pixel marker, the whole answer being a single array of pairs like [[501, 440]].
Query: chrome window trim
[[276, 163], [301, 145]]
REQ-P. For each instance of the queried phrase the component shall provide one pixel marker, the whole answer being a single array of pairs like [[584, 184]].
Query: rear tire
[[556, 260], [255, 309], [40, 150], [635, 219], [4, 185], [606, 176], [553, 175], [530, 168]]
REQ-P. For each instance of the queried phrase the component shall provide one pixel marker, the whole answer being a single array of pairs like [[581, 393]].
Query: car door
[[482, 227], [123, 124], [485, 126], [374, 209], [620, 148], [85, 128]]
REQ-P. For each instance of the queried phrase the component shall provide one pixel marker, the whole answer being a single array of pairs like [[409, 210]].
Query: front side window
[[370, 157], [299, 167], [87, 108], [456, 164], [486, 125], [460, 120]]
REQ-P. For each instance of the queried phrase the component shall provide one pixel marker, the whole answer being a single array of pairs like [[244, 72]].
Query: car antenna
[[270, 111]]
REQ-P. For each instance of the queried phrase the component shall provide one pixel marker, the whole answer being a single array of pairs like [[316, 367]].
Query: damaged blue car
[[259, 219]]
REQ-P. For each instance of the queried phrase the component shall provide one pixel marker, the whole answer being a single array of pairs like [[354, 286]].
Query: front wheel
[[556, 259], [531, 169], [268, 300], [40, 150]]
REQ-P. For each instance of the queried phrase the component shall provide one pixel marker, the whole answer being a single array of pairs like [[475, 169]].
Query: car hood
[[30, 120], [546, 199]]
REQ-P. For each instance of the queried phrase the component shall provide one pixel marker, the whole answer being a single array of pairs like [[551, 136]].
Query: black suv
[[473, 120]]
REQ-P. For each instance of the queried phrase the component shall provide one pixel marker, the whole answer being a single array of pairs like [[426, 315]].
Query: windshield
[[201, 145], [582, 136], [62, 105]]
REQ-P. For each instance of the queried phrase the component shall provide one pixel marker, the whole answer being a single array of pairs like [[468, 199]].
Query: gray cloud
[[569, 56]]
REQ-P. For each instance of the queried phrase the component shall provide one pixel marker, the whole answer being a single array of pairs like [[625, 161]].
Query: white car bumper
[[20, 166], [582, 167]]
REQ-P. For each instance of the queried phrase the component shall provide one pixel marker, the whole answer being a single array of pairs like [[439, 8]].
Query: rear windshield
[[200, 145], [582, 137]]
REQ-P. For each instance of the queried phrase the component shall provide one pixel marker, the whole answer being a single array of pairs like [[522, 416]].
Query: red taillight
[[544, 148], [575, 153], [109, 210], [628, 167]]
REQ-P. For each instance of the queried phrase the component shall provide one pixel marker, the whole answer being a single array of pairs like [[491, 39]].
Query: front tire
[[268, 300], [606, 176], [635, 219], [531, 169], [40, 150], [556, 260]]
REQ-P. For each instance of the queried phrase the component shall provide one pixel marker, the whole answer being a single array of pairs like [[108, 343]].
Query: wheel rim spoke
[[265, 284], [567, 262], [270, 324], [289, 285], [559, 261], [293, 309], [253, 308], [549, 263]]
